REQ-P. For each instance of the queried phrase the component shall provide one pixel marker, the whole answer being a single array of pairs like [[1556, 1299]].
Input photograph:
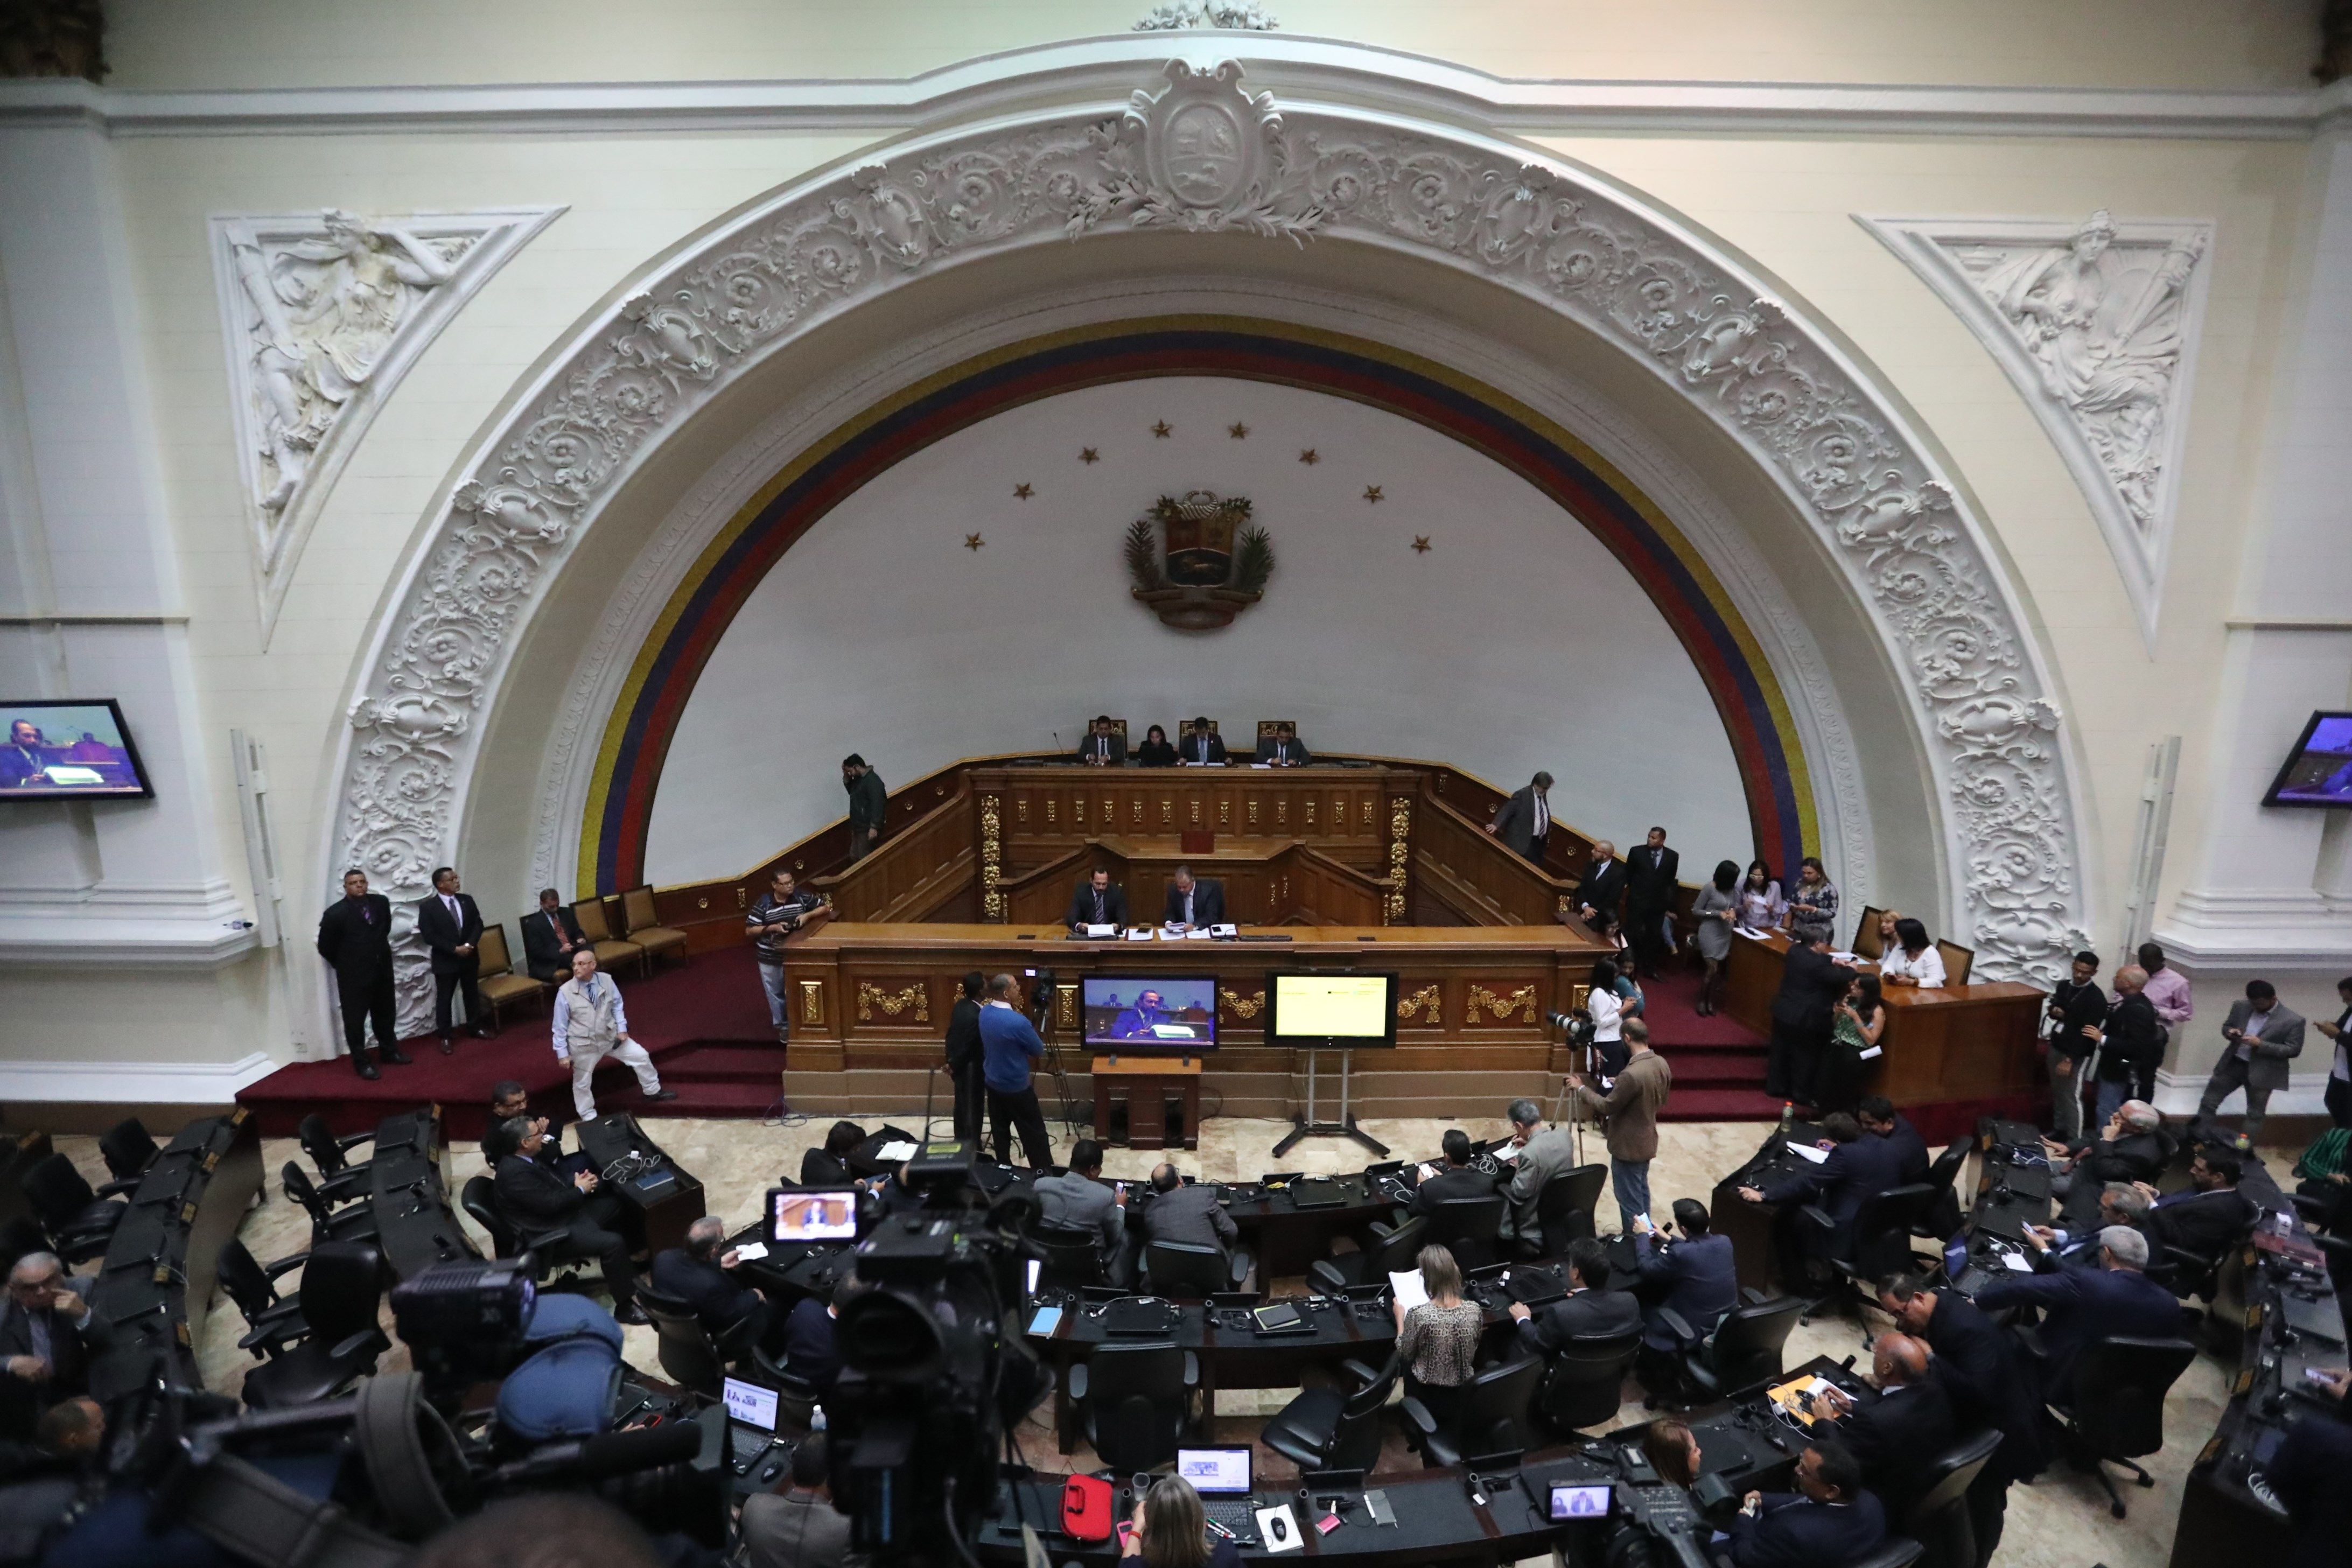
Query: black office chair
[[479, 1198], [1329, 1429], [1192, 1271], [127, 1149], [79, 1220], [1744, 1351], [1468, 1228], [1878, 1243], [19, 1235], [1940, 1519], [1894, 1552], [352, 1222], [1943, 1216], [272, 1321], [2117, 1412], [1393, 1251], [1134, 1402], [2191, 1273], [797, 1396], [1073, 1258], [1490, 1414], [1566, 1204], [339, 1178], [690, 1354], [343, 1292], [1585, 1382]]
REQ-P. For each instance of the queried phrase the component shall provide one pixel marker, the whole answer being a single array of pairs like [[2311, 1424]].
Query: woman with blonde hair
[[1170, 1529], [1437, 1342]]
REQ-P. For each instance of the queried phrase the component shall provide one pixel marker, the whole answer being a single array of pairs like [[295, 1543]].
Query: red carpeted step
[[723, 1063], [737, 1100], [1720, 1105]]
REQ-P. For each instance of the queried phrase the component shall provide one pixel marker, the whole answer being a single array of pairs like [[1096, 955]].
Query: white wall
[[1516, 643]]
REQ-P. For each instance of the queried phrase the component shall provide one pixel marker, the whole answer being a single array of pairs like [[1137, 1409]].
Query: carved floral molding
[[2096, 324], [1201, 153], [323, 315]]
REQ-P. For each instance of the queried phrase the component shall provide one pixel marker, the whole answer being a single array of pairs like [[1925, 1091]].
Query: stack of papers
[[1409, 1288], [1808, 1152]]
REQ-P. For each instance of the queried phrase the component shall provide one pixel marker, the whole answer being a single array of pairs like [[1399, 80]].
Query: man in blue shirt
[[1008, 1043]]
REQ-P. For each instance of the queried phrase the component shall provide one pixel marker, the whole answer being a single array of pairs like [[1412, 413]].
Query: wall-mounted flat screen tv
[[2318, 772], [1144, 1012], [68, 751]]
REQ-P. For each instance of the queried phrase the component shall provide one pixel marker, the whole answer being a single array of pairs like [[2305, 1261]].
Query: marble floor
[[2061, 1521]]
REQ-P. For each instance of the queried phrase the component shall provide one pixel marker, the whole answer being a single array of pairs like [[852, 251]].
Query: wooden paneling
[[916, 875], [1466, 868]]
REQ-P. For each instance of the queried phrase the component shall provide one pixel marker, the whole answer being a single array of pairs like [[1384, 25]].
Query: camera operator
[[530, 1191], [799, 1528], [44, 1356]]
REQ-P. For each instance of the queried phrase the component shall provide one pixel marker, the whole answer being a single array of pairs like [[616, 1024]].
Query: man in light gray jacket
[[2262, 1035], [1544, 1153], [1080, 1201]]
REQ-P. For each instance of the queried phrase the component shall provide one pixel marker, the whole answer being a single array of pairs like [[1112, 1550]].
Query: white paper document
[[891, 1154], [1808, 1152], [1409, 1288], [1099, 931], [1872, 1055], [751, 1252], [2017, 1261]]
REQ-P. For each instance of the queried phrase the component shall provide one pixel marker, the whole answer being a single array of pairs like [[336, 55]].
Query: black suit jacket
[[1208, 902], [1794, 1532], [1978, 1363], [720, 1300], [1905, 1138], [1810, 988], [2307, 1476], [1294, 753], [1549, 1329], [1650, 885], [1113, 742], [355, 937], [1082, 906], [21, 1403], [534, 1195], [1853, 1175], [963, 1048], [443, 936], [1451, 1182], [1514, 825], [1188, 748], [2076, 1006], [2207, 1224], [1602, 887], [1897, 1436], [542, 951], [2081, 1306]]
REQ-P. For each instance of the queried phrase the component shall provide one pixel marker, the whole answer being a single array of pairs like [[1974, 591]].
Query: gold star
[[1238, 431], [1421, 543], [1309, 457], [1163, 429], [1023, 491], [1373, 494], [1088, 455], [973, 542]]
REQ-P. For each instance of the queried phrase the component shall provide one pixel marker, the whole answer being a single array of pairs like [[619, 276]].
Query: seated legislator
[[509, 1100], [1588, 1308], [1188, 1215], [799, 1528], [829, 1166], [1898, 1435], [1141, 1020], [45, 1333], [1829, 1522], [2208, 1217], [702, 1274], [1203, 747], [1858, 1168], [1097, 902], [2081, 1306], [551, 935], [1455, 1179], [1155, 751], [532, 1193], [1879, 1119], [1193, 902], [811, 1349], [1079, 1199], [1699, 1281], [2067, 1247], [1104, 746], [1283, 748]]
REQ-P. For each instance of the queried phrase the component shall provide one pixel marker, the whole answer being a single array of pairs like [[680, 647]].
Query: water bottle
[[816, 1417], [1788, 1117]]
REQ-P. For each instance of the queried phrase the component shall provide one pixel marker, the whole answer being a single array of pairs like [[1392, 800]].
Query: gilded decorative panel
[[915, 998]]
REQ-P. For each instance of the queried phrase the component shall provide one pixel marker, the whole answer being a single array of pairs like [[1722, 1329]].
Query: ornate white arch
[[1203, 154]]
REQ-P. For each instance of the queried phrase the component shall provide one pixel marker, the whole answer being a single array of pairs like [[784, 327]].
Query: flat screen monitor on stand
[[1148, 1014], [1331, 1010]]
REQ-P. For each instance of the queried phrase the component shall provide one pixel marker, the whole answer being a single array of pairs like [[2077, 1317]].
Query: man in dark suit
[[869, 805], [1879, 1119], [1829, 1522], [1979, 1364], [1603, 886], [355, 938], [509, 1100], [1896, 1437], [1097, 902], [1589, 1306], [2073, 1247], [1858, 1168], [533, 1194], [1283, 748], [2307, 1478], [1810, 988], [1525, 820], [1104, 746], [2210, 1216], [551, 935], [1202, 745], [1696, 1280], [700, 1274], [1193, 902], [1191, 1215], [452, 929], [43, 1357], [812, 1348], [1651, 873], [1455, 1179], [2084, 1305], [2076, 1005]]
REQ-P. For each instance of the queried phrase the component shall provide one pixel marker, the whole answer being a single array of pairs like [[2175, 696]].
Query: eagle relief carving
[[1199, 561]]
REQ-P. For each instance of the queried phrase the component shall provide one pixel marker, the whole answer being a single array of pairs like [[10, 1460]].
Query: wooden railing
[[1321, 891], [925, 873], [1473, 878]]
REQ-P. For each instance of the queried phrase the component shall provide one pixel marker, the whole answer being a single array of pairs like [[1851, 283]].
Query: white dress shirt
[[1927, 968]]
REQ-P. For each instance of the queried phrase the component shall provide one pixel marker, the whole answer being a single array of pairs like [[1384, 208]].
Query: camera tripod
[[1041, 1015]]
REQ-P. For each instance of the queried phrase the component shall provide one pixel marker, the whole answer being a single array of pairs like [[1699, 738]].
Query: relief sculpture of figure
[[328, 307]]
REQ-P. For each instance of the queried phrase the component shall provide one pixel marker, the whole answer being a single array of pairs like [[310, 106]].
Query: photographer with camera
[[1629, 1116]]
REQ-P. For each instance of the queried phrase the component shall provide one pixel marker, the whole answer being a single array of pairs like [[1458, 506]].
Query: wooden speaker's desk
[[1147, 1082], [1956, 1042]]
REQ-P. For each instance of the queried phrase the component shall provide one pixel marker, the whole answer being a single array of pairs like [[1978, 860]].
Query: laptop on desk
[[1221, 1477], [1138, 1315]]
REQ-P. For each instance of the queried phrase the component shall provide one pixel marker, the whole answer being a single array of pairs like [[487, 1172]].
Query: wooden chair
[[1957, 961], [1865, 935], [501, 986], [611, 951], [644, 926]]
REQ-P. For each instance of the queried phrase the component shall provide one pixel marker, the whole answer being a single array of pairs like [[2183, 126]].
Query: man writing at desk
[[1104, 746], [1097, 902], [1282, 748], [1203, 747], [1194, 903]]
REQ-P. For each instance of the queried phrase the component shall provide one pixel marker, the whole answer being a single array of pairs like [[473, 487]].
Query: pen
[[1221, 1530]]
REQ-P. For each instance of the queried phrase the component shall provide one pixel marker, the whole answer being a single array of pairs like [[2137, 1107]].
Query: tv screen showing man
[[68, 751], [1135, 1013]]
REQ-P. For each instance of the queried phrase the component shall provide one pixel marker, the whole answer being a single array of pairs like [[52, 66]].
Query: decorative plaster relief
[[323, 315], [1246, 15], [2096, 323], [1204, 154]]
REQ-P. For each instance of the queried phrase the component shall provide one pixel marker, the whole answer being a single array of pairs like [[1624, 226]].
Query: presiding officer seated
[[532, 1193], [1193, 902], [1455, 1179], [1202, 746], [1699, 1281], [1097, 902], [1829, 1522], [702, 1274], [1104, 746], [1590, 1307], [1283, 748]]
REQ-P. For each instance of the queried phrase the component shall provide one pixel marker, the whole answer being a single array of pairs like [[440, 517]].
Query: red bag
[[1085, 1508]]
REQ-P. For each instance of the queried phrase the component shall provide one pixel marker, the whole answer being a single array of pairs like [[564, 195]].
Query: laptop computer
[[751, 1422], [1141, 1315], [1316, 1192], [1221, 1477]]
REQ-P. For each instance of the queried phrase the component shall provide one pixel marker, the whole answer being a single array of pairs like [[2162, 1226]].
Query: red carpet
[[703, 1019], [1718, 1064]]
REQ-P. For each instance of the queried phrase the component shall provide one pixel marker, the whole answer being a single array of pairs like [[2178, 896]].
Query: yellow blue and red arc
[[637, 734]]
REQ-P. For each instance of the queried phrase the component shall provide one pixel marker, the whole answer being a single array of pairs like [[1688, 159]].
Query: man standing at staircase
[[591, 1025]]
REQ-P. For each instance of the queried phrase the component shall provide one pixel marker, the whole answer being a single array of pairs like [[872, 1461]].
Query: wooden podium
[[1149, 1083]]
